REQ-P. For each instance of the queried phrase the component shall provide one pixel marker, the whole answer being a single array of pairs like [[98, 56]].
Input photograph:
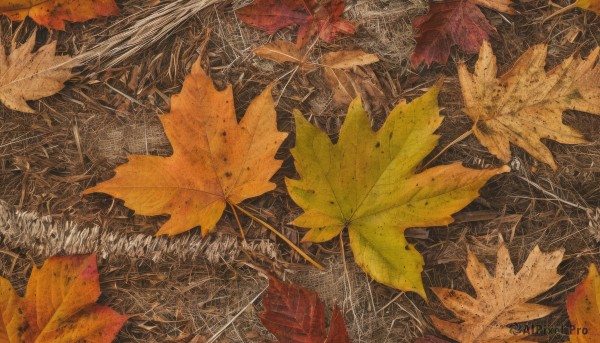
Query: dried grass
[[110, 110]]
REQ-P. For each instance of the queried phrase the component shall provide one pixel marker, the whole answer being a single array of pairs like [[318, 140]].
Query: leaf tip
[[89, 191], [504, 169]]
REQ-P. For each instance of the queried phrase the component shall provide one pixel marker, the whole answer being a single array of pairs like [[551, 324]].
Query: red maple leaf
[[450, 23], [312, 16], [294, 314]]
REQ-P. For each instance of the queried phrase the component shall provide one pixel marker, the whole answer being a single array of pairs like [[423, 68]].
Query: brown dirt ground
[[82, 133]]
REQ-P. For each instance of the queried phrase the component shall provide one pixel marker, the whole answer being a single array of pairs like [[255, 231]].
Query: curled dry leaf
[[53, 13], [282, 51], [59, 305], [294, 314], [368, 183], [348, 58], [346, 72], [583, 307], [348, 76], [215, 160], [27, 75], [453, 22], [322, 17], [501, 299], [505, 110]]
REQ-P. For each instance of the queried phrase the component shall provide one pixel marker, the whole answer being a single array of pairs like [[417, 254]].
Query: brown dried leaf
[[526, 104], [345, 72], [27, 75], [348, 76], [501, 299], [282, 51]]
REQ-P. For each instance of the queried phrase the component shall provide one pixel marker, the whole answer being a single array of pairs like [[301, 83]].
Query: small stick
[[560, 11], [237, 219], [218, 333], [347, 280], [280, 235], [460, 138]]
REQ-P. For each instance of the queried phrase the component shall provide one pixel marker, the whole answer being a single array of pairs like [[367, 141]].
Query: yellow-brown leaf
[[501, 299], [27, 75], [526, 104]]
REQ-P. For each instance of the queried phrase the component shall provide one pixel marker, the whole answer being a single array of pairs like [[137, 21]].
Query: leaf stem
[[460, 138], [280, 235], [237, 219], [560, 11]]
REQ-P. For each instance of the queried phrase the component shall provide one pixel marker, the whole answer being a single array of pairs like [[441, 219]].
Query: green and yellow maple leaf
[[367, 182]]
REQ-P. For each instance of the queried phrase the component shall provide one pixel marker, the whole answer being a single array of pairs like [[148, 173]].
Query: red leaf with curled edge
[[294, 314], [312, 16], [450, 23]]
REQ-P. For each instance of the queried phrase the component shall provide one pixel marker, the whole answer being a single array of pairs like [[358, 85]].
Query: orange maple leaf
[[53, 13], [59, 305], [215, 160], [583, 306]]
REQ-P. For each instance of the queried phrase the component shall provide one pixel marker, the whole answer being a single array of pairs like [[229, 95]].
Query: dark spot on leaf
[[482, 127]]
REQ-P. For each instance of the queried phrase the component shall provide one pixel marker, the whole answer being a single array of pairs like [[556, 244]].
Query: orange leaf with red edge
[[53, 13], [312, 16], [294, 314], [59, 305], [583, 306], [215, 160], [450, 23]]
